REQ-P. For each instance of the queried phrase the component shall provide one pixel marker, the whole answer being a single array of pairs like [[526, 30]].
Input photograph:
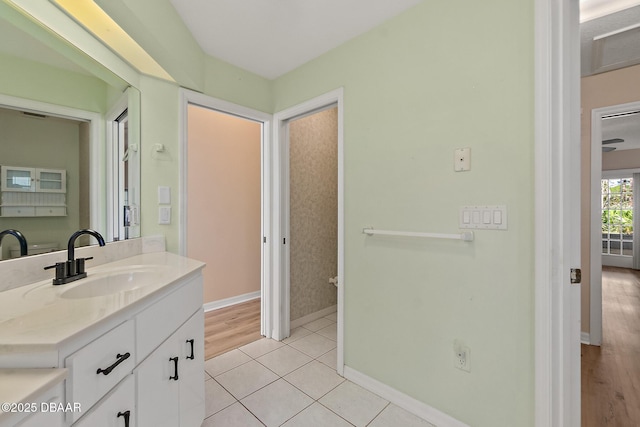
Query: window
[[617, 216]]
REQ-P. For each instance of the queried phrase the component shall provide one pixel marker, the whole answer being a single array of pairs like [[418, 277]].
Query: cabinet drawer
[[51, 211], [111, 411], [157, 322], [18, 211], [100, 365], [46, 417]]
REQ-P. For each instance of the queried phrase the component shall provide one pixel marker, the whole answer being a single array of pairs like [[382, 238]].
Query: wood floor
[[611, 373], [231, 327]]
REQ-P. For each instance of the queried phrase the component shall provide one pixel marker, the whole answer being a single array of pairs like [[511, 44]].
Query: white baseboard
[[221, 303], [585, 338], [402, 400], [313, 316]]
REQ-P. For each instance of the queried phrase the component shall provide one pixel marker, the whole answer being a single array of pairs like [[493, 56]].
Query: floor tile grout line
[[313, 358], [378, 414]]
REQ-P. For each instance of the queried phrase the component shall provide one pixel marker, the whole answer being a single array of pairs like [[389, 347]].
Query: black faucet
[[19, 236], [73, 269]]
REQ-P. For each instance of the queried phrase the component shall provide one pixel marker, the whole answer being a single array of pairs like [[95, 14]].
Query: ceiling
[[271, 38], [609, 40], [624, 127]]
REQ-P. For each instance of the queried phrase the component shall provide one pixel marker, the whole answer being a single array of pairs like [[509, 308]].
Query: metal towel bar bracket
[[467, 236]]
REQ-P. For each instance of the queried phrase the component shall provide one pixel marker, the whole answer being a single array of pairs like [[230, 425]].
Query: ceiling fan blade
[[612, 141], [608, 149]]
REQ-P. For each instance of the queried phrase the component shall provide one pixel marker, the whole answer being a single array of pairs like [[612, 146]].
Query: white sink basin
[[111, 283], [102, 282]]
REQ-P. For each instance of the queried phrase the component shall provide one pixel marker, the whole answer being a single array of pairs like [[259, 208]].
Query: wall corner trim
[[221, 303], [585, 338], [402, 400]]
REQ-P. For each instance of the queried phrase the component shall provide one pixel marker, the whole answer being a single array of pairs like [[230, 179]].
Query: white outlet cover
[[462, 159]]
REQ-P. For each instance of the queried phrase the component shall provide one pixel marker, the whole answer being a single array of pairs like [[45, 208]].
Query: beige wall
[[601, 90], [223, 217], [625, 159], [313, 182]]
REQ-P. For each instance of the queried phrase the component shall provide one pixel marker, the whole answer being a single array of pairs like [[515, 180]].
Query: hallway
[[611, 373]]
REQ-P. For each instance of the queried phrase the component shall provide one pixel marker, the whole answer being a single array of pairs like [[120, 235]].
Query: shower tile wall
[[313, 216]]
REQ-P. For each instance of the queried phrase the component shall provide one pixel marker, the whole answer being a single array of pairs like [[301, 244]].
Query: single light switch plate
[[164, 215], [164, 195], [488, 217], [462, 159]]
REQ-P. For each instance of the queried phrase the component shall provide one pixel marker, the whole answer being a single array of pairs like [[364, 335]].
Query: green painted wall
[[159, 110], [443, 75], [27, 79]]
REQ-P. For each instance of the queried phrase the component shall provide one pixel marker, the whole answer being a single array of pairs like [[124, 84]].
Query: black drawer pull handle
[[126, 415], [192, 355], [175, 361], [121, 358]]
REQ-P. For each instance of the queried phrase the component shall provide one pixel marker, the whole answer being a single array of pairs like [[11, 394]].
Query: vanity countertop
[[38, 317], [26, 385]]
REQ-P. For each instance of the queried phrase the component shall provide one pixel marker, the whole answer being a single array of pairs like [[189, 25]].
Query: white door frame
[[595, 294], [281, 288], [557, 197], [190, 97]]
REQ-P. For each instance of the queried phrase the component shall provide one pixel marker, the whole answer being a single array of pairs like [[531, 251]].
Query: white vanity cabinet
[[131, 357], [170, 389], [160, 350]]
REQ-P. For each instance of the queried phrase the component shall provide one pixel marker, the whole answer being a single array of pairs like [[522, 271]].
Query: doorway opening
[[302, 204], [312, 216], [222, 216], [608, 390]]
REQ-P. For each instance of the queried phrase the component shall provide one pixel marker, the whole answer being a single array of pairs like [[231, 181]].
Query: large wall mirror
[[69, 137]]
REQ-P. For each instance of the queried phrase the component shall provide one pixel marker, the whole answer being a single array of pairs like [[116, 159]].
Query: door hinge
[[264, 239], [576, 275]]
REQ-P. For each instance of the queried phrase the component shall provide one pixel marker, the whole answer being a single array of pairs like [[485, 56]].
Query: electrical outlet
[[461, 357], [462, 159]]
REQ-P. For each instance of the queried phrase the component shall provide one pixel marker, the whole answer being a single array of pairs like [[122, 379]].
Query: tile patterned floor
[[293, 383]]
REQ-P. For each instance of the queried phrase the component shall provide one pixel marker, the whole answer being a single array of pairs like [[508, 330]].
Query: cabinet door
[[191, 340], [158, 392], [51, 180], [18, 178], [117, 409]]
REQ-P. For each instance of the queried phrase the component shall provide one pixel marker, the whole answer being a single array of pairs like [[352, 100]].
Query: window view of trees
[[617, 216]]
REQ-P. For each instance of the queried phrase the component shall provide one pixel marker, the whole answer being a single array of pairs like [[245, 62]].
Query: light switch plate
[[488, 217], [164, 215], [164, 195]]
